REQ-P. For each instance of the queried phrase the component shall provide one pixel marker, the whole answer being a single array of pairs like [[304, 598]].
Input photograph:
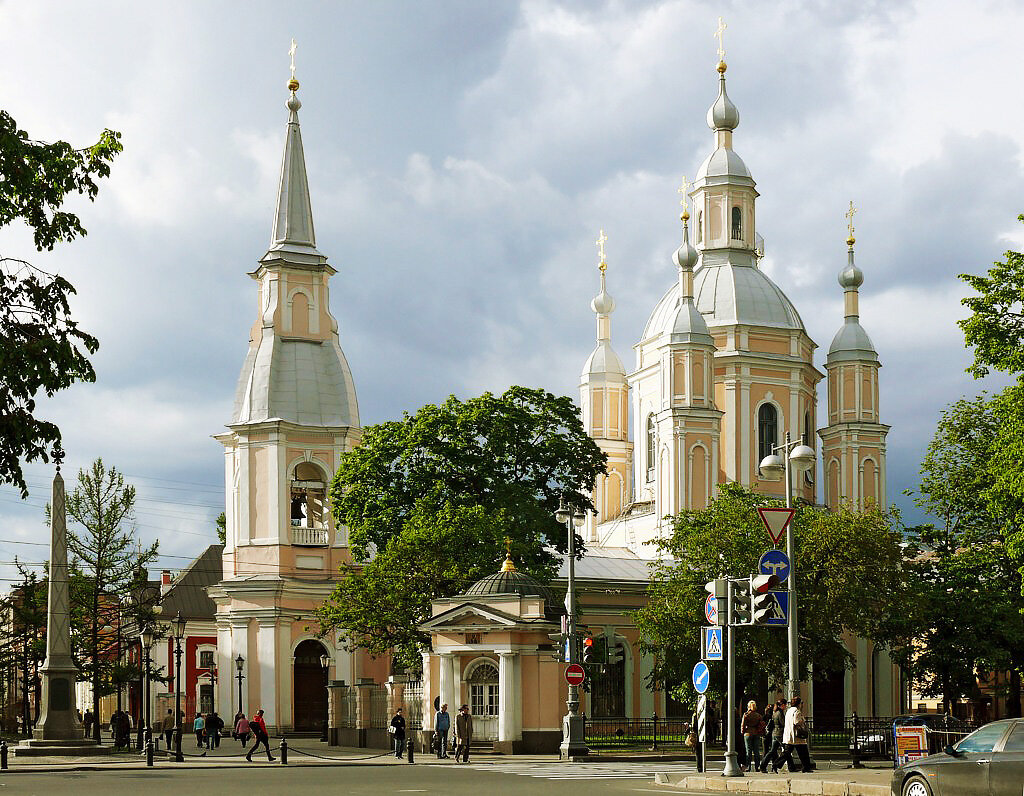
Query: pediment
[[470, 615]]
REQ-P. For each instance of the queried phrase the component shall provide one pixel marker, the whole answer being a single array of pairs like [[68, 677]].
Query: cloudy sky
[[462, 157]]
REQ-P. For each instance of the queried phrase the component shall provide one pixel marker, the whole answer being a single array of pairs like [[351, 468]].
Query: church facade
[[724, 369]]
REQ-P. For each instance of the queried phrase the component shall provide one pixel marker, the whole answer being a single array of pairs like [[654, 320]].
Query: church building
[[724, 369]]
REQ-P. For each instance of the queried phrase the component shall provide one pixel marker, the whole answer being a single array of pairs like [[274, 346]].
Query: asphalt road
[[492, 780]]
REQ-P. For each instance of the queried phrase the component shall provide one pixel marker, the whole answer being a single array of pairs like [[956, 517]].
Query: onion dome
[[851, 276], [851, 343], [723, 115], [603, 304], [688, 325], [603, 364]]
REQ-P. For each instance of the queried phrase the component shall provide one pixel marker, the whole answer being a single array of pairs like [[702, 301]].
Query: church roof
[[514, 582], [726, 295], [603, 360], [299, 381], [851, 344], [187, 594]]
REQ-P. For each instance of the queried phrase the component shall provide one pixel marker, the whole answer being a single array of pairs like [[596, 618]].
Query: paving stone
[[805, 786], [769, 786], [863, 789], [835, 788], [737, 784]]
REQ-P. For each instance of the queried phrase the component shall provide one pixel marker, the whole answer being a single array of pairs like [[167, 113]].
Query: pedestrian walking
[[199, 728], [442, 726], [168, 727], [259, 731], [242, 728], [711, 722], [775, 722], [794, 738], [214, 727], [397, 730], [463, 733], [88, 723], [752, 727]]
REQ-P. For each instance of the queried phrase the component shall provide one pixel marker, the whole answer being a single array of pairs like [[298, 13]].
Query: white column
[[266, 655], [284, 675], [448, 693], [507, 694], [227, 696]]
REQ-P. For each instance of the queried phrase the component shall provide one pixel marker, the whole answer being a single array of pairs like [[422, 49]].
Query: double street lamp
[[239, 665], [573, 744], [796, 458]]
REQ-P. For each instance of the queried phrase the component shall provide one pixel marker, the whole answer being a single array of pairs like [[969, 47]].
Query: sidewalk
[[867, 781]]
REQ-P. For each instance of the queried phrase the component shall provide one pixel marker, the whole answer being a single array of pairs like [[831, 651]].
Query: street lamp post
[[573, 744], [146, 640], [799, 458], [325, 663], [179, 635], [239, 663]]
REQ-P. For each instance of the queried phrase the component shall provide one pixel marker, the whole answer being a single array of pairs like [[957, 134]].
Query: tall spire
[[689, 325], [851, 342], [603, 360], [293, 232]]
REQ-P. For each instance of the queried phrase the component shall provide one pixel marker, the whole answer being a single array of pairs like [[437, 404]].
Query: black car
[[988, 762]]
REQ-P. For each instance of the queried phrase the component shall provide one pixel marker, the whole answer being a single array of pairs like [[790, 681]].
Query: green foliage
[[967, 616], [518, 452], [222, 528], [995, 329], [429, 500], [41, 346], [848, 580]]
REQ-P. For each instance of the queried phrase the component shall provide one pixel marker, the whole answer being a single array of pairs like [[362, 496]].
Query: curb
[[814, 787]]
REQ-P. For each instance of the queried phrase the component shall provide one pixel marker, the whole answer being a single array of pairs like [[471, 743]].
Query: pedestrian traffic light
[[764, 606], [560, 643], [740, 602], [589, 652]]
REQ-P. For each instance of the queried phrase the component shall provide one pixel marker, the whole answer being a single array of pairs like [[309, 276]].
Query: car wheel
[[916, 786]]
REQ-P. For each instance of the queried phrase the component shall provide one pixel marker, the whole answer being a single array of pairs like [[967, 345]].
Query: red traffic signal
[[759, 584], [589, 653]]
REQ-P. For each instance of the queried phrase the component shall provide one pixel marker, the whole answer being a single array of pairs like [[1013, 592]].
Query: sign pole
[[701, 731], [732, 768], [791, 636]]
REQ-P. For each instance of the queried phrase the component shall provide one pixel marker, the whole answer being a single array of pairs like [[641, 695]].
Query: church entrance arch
[[483, 700], [310, 693]]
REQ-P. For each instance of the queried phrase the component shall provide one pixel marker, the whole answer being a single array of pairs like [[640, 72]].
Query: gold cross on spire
[[602, 238], [508, 566], [850, 240], [684, 190], [718, 35], [291, 54]]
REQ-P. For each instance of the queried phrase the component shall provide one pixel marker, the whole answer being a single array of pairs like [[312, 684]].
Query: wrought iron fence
[[412, 701], [872, 736], [379, 718], [347, 714], [623, 733]]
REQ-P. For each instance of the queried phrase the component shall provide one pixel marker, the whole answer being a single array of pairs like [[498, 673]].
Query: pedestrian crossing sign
[[711, 643]]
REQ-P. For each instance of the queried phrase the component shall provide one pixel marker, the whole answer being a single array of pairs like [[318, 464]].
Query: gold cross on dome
[[291, 54], [849, 217], [602, 238], [684, 190], [718, 35]]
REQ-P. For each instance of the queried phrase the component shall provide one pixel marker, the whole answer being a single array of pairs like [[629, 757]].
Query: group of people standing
[[442, 728], [208, 730]]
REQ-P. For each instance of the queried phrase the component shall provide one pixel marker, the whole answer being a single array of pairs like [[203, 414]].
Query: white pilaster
[[284, 674], [266, 655], [227, 694], [240, 646], [447, 685], [507, 696]]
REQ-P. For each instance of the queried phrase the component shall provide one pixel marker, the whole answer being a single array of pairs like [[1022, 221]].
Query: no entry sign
[[574, 674]]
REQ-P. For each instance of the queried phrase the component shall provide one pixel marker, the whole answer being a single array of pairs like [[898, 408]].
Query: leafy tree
[[519, 452], [40, 344], [966, 561], [848, 579], [429, 499], [222, 527], [105, 559]]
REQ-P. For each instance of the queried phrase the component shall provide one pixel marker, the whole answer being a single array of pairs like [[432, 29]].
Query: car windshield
[[983, 740]]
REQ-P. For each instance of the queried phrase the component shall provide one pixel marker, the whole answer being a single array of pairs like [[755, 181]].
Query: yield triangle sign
[[776, 521]]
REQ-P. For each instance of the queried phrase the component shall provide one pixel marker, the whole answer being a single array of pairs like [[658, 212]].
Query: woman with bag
[[752, 728], [795, 736]]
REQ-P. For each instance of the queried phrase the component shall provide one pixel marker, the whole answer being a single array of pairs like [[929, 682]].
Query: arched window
[[308, 505], [737, 224], [767, 430], [483, 690], [700, 226], [651, 447]]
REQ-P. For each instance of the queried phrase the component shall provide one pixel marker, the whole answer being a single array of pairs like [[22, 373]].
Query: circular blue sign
[[701, 677], [774, 562]]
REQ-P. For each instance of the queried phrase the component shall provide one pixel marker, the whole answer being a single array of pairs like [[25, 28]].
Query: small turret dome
[[851, 277], [723, 115], [513, 582], [686, 256], [851, 344], [603, 304]]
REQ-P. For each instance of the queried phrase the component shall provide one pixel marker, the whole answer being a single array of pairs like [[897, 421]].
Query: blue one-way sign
[[701, 677]]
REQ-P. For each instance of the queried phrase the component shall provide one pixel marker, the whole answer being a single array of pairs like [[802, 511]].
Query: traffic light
[[559, 641], [614, 651], [764, 606], [741, 603], [589, 652], [718, 587]]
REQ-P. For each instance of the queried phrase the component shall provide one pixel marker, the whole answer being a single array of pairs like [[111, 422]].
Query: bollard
[[3, 755], [411, 760], [149, 752], [284, 752], [856, 743], [654, 736]]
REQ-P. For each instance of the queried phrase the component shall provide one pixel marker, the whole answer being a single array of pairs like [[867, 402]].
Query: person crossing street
[[259, 731]]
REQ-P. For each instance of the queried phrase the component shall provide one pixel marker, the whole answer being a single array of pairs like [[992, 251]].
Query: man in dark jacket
[[774, 727], [463, 733], [214, 727], [398, 732]]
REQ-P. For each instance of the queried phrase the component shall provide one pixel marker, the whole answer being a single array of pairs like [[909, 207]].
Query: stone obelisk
[[57, 719], [58, 730]]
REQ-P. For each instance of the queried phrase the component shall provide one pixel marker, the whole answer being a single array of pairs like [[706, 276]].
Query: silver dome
[[851, 344]]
